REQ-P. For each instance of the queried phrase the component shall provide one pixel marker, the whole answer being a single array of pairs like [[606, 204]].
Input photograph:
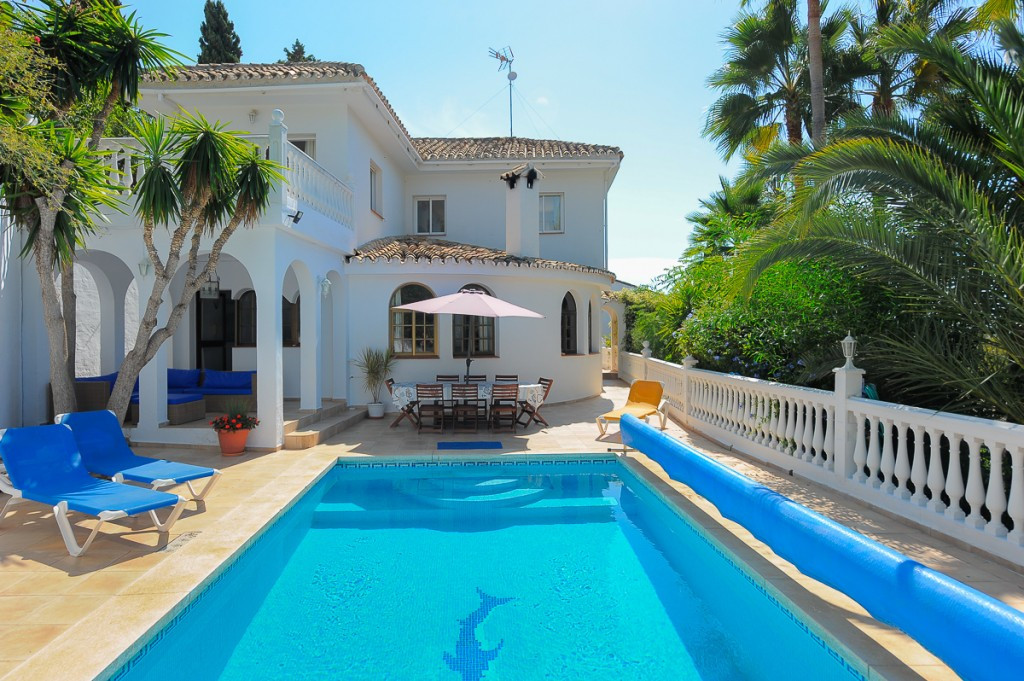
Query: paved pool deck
[[71, 618]]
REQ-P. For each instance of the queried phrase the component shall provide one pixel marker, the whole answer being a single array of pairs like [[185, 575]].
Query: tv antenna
[[505, 57]]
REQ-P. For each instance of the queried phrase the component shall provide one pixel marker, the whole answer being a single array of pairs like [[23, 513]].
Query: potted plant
[[233, 428], [376, 365]]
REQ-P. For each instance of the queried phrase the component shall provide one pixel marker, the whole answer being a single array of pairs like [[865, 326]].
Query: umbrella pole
[[469, 349]]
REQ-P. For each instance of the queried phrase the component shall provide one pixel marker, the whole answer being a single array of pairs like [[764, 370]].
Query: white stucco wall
[[475, 210], [10, 326], [529, 347]]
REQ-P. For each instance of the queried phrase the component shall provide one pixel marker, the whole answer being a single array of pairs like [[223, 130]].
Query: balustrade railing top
[[960, 475]]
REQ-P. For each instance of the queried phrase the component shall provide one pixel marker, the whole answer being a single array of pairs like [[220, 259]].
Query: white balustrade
[[940, 470], [309, 184]]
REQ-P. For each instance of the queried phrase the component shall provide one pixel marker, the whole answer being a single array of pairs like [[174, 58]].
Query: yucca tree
[[201, 182], [95, 53], [765, 83], [932, 212]]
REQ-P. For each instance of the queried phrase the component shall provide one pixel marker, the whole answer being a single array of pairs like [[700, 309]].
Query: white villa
[[367, 218]]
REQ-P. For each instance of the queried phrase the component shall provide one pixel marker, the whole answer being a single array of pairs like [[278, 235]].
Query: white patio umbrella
[[471, 303]]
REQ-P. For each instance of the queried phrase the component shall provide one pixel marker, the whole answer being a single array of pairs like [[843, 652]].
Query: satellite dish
[[512, 75]]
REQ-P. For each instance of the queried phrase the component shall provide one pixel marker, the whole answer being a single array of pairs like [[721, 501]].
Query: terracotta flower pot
[[232, 442]]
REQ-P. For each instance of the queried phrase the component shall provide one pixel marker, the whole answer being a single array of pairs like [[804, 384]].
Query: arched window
[[245, 319], [480, 329], [412, 334], [568, 325], [590, 327], [290, 325]]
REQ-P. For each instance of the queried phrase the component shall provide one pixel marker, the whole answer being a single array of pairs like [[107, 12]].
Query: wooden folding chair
[[531, 412], [466, 397], [406, 412], [504, 406], [430, 397], [506, 378], [475, 378]]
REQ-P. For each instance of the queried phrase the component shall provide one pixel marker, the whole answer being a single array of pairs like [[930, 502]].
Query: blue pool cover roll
[[979, 637]]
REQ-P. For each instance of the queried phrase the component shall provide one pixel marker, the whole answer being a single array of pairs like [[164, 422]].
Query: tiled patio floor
[[56, 609]]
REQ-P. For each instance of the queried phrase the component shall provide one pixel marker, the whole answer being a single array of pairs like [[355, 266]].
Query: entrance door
[[215, 331]]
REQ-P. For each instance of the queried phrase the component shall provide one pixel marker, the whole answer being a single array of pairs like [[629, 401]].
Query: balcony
[[325, 200]]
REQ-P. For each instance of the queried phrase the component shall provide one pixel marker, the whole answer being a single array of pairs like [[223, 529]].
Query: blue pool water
[[554, 571]]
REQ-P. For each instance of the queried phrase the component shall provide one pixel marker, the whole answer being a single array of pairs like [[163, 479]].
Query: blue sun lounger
[[105, 452], [43, 465]]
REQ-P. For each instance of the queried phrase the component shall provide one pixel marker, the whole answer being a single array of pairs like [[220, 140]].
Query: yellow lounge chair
[[644, 398]]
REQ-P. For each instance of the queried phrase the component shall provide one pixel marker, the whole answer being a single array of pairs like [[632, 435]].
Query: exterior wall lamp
[[145, 267], [325, 287], [296, 217], [849, 345], [210, 290]]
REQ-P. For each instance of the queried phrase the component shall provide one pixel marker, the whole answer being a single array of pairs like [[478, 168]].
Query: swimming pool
[[544, 568]]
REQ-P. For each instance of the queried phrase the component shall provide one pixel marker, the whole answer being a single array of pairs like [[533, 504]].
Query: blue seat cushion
[[160, 469], [174, 398], [240, 382], [224, 391], [182, 379]]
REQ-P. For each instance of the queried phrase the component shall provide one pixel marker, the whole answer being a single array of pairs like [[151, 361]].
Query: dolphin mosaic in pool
[[470, 659]]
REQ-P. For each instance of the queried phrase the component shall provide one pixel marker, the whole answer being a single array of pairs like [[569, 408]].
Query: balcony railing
[[306, 183], [959, 475]]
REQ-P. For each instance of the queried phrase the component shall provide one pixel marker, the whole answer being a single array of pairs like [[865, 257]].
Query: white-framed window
[[306, 144], [430, 217], [376, 189], [551, 213]]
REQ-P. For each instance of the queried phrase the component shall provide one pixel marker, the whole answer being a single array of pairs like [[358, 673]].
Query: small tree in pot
[[376, 365]]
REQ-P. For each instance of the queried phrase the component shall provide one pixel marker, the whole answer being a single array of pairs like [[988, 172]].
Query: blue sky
[[630, 74]]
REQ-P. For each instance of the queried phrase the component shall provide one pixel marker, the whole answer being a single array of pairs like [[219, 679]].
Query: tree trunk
[[816, 68], [61, 382], [794, 127], [69, 303]]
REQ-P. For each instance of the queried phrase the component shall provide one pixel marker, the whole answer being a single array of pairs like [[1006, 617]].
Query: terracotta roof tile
[[429, 148], [402, 248], [294, 73], [474, 148]]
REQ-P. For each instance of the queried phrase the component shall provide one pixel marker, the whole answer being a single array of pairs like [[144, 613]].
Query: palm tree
[[816, 71], [729, 216], [765, 82], [898, 79], [201, 182], [932, 212], [96, 53]]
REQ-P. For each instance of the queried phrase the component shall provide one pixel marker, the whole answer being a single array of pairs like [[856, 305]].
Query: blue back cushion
[[43, 458], [242, 380], [182, 378], [100, 441]]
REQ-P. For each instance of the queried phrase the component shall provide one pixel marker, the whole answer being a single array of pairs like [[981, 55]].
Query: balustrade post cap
[[277, 116]]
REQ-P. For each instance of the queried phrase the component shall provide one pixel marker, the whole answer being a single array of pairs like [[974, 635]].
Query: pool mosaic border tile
[[597, 459]]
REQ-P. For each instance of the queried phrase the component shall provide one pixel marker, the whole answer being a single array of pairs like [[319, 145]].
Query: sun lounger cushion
[[637, 409], [44, 464]]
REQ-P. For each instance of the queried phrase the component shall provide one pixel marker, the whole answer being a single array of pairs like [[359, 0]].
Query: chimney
[[522, 211]]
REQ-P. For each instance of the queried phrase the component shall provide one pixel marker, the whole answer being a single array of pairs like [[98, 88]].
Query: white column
[[849, 383], [153, 378], [269, 383], [278, 138], [310, 374]]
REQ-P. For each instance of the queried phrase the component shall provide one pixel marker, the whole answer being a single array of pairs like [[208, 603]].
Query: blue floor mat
[[480, 444]]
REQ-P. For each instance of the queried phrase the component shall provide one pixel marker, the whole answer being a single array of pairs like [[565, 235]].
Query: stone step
[[609, 375], [513, 497], [305, 421], [321, 430]]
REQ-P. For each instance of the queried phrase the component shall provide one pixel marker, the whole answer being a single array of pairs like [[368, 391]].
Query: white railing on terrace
[[306, 183], [309, 183], [944, 471]]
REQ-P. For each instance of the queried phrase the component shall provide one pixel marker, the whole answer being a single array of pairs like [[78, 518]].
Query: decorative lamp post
[[849, 350]]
